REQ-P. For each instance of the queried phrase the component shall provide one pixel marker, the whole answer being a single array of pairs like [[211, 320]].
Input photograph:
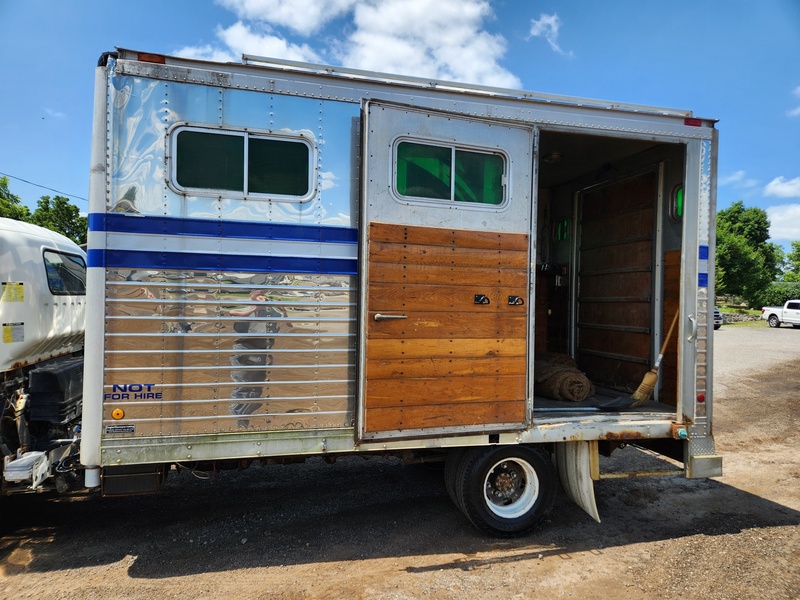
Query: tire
[[717, 327], [774, 321], [504, 490], [450, 469]]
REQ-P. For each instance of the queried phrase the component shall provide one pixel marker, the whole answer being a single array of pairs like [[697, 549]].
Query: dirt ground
[[380, 529]]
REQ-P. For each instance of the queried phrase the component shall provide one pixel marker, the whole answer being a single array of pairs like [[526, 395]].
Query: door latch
[[516, 300], [482, 299]]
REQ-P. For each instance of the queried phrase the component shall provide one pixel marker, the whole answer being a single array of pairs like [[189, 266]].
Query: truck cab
[[42, 311]]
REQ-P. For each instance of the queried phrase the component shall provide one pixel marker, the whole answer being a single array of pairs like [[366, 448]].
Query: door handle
[[380, 317], [516, 301]]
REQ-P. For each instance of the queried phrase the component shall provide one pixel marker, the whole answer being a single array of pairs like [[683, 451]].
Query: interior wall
[[556, 260]]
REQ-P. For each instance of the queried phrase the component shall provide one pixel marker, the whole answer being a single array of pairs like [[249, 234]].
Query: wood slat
[[637, 191], [633, 314], [436, 236], [380, 272], [618, 284], [397, 298], [448, 325], [633, 254], [446, 367], [452, 257], [445, 415], [636, 345], [444, 390], [427, 349]]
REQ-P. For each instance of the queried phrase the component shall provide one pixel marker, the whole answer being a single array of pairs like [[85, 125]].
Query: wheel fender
[[574, 469]]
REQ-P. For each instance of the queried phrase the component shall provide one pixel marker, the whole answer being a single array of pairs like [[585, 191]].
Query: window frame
[[246, 134], [454, 147], [46, 264]]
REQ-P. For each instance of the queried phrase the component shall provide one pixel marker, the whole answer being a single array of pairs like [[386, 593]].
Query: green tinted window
[[216, 161], [210, 161], [277, 167], [479, 177], [425, 171]]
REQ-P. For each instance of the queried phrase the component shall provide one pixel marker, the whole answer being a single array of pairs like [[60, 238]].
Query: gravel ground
[[380, 529]]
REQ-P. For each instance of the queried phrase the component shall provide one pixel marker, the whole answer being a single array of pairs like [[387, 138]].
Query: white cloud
[[783, 188], [440, 39], [206, 52], [241, 38], [302, 16], [738, 180], [55, 113], [784, 222], [547, 26]]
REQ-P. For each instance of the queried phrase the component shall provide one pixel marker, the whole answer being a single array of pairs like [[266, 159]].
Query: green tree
[[791, 271], [61, 216], [746, 262], [11, 206]]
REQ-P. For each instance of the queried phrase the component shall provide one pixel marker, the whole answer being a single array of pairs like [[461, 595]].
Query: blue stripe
[[132, 259], [703, 252], [702, 280], [122, 223]]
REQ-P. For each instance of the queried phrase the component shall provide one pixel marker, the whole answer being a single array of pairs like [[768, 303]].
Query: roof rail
[[430, 83]]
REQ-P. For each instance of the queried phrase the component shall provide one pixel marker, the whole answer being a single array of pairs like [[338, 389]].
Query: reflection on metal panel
[[191, 352], [143, 110]]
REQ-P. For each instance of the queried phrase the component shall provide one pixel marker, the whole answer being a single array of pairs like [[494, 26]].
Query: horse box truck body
[[289, 260]]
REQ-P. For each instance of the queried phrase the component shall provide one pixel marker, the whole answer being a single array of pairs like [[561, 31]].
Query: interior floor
[[605, 400]]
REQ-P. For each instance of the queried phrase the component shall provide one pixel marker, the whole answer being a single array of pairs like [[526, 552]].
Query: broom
[[644, 392]]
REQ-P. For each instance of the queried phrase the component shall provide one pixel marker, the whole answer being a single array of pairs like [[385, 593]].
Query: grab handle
[[693, 336]]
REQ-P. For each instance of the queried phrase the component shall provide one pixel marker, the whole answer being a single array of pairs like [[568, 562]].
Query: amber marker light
[[117, 414]]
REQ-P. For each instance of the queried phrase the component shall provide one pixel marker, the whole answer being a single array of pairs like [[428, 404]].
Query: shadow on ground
[[353, 510]]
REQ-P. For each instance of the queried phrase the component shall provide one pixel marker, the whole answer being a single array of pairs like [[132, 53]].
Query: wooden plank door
[[445, 311], [615, 281]]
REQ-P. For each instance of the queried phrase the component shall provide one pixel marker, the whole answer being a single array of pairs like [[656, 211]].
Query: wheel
[[717, 327], [774, 321], [504, 490]]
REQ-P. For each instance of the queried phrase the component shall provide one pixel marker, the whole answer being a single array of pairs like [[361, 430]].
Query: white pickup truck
[[788, 313]]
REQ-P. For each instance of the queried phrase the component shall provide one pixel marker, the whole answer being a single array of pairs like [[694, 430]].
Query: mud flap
[[574, 468]]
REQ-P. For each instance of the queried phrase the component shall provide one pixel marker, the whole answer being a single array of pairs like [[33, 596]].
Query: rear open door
[[445, 274]]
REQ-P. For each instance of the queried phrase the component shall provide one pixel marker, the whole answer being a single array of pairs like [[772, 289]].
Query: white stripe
[[214, 245]]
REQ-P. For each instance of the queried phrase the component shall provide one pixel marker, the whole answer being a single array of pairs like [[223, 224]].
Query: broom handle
[[666, 339]]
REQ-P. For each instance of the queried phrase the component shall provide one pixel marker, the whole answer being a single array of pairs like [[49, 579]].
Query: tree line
[[56, 213], [750, 267]]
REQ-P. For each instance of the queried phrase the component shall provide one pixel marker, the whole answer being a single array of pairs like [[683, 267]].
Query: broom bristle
[[644, 392]]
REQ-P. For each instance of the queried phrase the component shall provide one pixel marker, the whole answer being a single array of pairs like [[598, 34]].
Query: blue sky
[[734, 60]]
